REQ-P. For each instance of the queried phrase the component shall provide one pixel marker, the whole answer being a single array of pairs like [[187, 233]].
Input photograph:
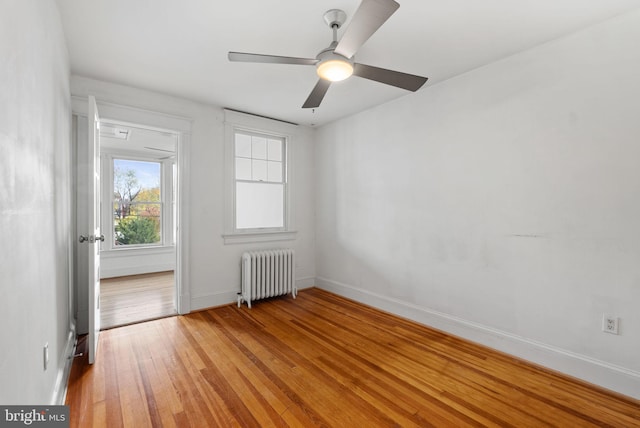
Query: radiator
[[267, 273]]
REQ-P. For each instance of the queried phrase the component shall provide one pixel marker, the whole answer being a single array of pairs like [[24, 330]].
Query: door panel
[[93, 184]]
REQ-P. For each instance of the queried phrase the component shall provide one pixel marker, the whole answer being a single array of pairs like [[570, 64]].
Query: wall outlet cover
[[610, 324]]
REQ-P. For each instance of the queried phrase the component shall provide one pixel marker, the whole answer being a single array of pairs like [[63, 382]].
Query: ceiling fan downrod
[[334, 19]]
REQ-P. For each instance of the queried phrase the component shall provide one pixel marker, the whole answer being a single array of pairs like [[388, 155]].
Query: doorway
[[139, 194], [176, 128]]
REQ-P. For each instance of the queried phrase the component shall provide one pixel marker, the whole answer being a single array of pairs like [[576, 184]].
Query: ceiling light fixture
[[333, 67], [335, 70]]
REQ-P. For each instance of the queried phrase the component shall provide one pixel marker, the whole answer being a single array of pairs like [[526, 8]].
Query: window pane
[[136, 202], [134, 179], [243, 145], [259, 170], [140, 226], [274, 150], [259, 147], [260, 202], [149, 195], [259, 205], [274, 171], [243, 169]]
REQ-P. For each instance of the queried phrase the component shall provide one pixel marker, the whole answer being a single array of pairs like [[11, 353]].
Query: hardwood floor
[[130, 299], [320, 360]]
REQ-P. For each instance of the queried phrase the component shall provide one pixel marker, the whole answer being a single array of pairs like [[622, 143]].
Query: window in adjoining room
[[137, 203]]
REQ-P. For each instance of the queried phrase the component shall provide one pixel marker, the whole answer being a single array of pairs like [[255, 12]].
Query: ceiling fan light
[[335, 70]]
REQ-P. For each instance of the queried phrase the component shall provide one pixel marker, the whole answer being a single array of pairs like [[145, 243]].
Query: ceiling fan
[[336, 62]]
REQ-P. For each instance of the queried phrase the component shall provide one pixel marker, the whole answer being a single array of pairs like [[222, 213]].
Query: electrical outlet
[[610, 324], [45, 355]]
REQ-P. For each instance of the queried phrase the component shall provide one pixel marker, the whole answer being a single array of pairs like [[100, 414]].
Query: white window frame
[[242, 122], [167, 238]]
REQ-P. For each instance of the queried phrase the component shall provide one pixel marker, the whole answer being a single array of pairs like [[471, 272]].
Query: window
[[137, 203], [260, 181]]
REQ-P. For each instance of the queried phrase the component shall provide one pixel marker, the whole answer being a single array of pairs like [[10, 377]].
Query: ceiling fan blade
[[368, 18], [410, 82], [317, 94], [270, 59]]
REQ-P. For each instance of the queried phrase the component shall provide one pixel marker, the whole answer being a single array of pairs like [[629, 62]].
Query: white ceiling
[[137, 141], [179, 47]]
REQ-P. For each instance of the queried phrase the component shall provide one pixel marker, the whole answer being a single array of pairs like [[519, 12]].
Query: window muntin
[[137, 203], [260, 181]]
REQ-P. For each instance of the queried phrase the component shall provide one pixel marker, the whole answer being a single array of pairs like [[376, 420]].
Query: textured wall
[[35, 200]]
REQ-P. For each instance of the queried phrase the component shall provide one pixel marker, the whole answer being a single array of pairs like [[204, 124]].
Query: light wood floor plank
[[321, 360], [135, 298]]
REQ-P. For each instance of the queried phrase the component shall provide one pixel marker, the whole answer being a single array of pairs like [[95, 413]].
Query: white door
[[95, 237]]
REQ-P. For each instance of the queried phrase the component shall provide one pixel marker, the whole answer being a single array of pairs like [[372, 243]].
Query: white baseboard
[[64, 369], [307, 282], [609, 376], [184, 303], [227, 297], [213, 300]]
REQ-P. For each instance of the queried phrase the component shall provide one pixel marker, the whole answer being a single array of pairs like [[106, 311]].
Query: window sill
[[246, 238]]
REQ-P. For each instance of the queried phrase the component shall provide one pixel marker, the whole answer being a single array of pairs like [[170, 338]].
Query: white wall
[[136, 262], [501, 205], [214, 268], [35, 203]]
